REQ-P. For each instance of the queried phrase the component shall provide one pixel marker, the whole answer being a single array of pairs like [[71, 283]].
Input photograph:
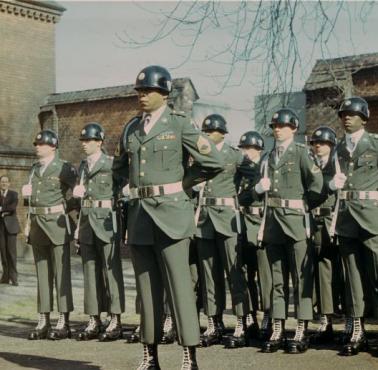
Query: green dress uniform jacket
[[49, 235], [99, 245], [297, 178], [357, 225], [160, 224]]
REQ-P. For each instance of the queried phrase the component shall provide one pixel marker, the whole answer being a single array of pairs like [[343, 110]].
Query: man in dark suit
[[9, 228]]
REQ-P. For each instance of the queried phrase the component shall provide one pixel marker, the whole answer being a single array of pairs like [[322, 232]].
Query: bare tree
[[261, 34]]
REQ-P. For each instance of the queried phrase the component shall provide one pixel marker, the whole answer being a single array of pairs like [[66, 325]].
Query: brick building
[[68, 112], [27, 66], [331, 80]]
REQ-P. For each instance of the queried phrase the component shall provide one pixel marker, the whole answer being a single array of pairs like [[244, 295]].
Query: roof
[[330, 72], [54, 5], [112, 92]]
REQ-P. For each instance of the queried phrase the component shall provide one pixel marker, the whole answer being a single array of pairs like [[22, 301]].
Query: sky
[[90, 55]]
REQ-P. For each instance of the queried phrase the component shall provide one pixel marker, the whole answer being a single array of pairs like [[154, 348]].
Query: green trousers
[[165, 264], [216, 256], [103, 278], [53, 267]]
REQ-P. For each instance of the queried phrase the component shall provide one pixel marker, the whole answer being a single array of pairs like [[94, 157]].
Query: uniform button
[[89, 189], [176, 199], [143, 148], [350, 174], [275, 190], [210, 181], [275, 171], [39, 183], [165, 147], [276, 180], [350, 185], [141, 174], [90, 181], [143, 161], [36, 199], [351, 164], [209, 190], [38, 191]]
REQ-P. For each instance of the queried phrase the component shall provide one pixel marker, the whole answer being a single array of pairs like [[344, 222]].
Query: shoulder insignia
[[203, 145], [178, 113]]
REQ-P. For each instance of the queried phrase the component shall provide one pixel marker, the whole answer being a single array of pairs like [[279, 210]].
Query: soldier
[[49, 180], [152, 157], [97, 237], [328, 268], [252, 145], [357, 228], [292, 182], [217, 242]]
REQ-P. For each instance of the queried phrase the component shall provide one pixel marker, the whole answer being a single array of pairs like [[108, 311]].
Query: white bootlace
[[42, 320], [299, 331], [249, 320], [113, 323], [167, 324], [186, 360], [277, 330], [61, 321], [357, 330], [147, 358], [323, 323], [210, 326], [93, 323], [265, 321], [239, 328]]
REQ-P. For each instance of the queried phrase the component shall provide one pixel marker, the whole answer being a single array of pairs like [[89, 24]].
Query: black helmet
[[214, 122], [324, 134], [154, 77], [92, 131], [251, 138], [355, 105], [48, 137], [285, 116]]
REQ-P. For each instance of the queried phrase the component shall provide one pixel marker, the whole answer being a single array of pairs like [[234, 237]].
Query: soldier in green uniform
[[96, 234], [49, 180], [217, 241], [252, 145], [152, 158], [357, 227], [328, 268], [293, 183]]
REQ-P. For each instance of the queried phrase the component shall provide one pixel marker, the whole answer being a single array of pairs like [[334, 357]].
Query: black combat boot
[[169, 334], [252, 327], [134, 337], [150, 358], [212, 335], [42, 328], [325, 332], [357, 341], [347, 332], [238, 338], [62, 329], [189, 361], [114, 329], [299, 343], [276, 340], [265, 328], [92, 330]]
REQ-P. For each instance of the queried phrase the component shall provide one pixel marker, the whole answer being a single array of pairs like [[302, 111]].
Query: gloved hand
[[263, 185], [337, 182], [26, 190], [78, 191]]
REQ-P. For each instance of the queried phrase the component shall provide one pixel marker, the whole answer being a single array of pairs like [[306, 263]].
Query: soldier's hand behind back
[[263, 185]]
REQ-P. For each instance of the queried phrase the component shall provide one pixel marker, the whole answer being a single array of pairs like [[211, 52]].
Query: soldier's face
[[91, 146], [4, 183], [321, 149], [215, 136], [282, 132], [44, 150], [352, 122], [150, 100], [251, 152]]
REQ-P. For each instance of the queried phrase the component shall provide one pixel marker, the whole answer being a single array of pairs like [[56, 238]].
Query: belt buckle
[[285, 203], [211, 201]]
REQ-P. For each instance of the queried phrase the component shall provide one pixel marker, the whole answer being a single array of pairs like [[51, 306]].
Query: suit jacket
[[99, 186], [50, 189], [295, 176], [222, 185], [161, 157], [8, 212], [361, 170]]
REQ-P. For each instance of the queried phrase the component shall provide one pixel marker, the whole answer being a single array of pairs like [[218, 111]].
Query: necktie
[[147, 123], [352, 143], [279, 153]]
